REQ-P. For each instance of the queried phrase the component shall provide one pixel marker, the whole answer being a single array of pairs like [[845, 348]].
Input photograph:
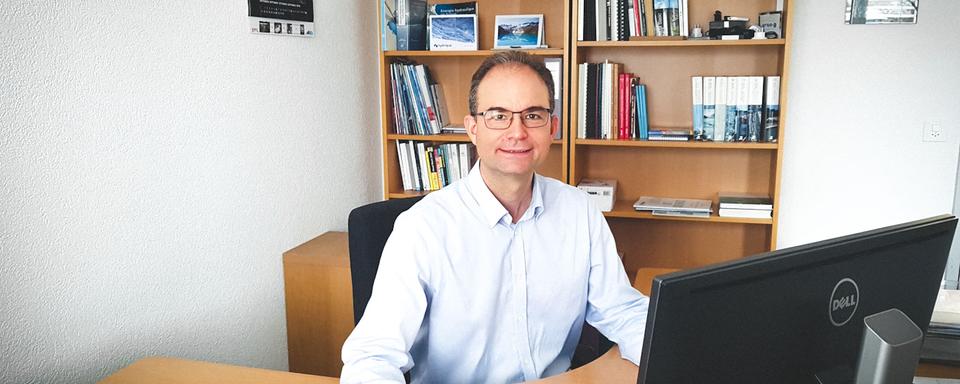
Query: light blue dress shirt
[[464, 295]]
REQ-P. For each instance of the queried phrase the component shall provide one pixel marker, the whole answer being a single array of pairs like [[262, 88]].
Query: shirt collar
[[491, 211]]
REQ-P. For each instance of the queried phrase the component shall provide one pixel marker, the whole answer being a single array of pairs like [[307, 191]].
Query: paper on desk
[[946, 314]]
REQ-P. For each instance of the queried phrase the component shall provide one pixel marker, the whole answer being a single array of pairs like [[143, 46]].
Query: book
[[743, 102], [464, 8], [660, 18], [730, 126], [680, 213], [644, 118], [673, 18], [388, 23], [652, 203], [411, 18], [603, 21], [581, 105], [771, 113], [745, 201], [755, 108], [697, 93], [720, 118], [709, 108], [555, 66], [745, 213]]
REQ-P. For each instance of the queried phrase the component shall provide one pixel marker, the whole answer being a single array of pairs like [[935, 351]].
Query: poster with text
[[282, 17]]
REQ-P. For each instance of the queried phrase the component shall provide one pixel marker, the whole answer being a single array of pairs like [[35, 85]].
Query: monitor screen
[[791, 315]]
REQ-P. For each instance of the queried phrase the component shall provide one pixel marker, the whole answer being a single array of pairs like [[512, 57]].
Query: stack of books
[[746, 206], [666, 206], [668, 135]]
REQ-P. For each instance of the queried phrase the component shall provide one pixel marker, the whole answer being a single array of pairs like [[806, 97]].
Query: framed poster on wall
[[281, 17]]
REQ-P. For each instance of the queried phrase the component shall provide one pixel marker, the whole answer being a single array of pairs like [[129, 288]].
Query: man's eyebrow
[[505, 109]]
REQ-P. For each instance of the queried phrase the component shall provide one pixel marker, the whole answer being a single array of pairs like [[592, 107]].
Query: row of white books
[[736, 108], [426, 167]]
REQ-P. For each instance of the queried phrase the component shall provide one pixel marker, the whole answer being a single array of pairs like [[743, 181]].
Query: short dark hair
[[509, 59]]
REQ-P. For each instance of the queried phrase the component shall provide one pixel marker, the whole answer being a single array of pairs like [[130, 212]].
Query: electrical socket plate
[[933, 132]]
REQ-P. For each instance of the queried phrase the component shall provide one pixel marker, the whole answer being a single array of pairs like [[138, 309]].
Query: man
[[491, 278]]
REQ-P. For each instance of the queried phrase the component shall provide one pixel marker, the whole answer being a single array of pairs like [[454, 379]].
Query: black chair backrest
[[368, 228]]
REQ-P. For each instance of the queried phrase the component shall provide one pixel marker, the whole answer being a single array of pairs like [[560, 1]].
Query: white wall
[[155, 161], [858, 96]]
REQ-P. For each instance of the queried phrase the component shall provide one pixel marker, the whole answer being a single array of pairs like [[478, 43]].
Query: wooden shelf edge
[[680, 43], [477, 53], [407, 194], [452, 137], [676, 144]]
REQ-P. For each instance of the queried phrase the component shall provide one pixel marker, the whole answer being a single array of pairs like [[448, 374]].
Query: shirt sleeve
[[614, 307], [378, 349]]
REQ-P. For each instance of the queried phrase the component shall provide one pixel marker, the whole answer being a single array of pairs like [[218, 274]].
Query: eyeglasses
[[499, 118]]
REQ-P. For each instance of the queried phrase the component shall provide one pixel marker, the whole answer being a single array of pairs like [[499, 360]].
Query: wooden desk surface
[[166, 370]]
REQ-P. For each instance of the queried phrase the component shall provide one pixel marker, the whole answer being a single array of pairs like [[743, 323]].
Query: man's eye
[[498, 116], [534, 116]]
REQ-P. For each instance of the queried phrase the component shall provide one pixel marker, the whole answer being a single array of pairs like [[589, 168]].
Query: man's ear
[[470, 123], [554, 125]]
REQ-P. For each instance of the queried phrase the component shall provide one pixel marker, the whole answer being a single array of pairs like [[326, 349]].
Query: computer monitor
[[792, 315]]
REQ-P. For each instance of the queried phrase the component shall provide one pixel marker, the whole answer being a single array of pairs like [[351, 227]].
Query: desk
[[320, 316]]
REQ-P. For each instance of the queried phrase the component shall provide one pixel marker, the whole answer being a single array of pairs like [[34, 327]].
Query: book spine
[[582, 101], [709, 107], [464, 160], [644, 117], [603, 22], [721, 115], [423, 168], [771, 121], [755, 108], [673, 18], [730, 126], [743, 104], [697, 93], [659, 17], [402, 160]]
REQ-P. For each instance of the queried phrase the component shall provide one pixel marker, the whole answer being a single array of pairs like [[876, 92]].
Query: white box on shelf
[[603, 192]]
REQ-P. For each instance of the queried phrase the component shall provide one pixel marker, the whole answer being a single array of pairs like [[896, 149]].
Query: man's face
[[517, 150]]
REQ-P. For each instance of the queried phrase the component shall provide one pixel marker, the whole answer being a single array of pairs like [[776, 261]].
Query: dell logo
[[843, 301]]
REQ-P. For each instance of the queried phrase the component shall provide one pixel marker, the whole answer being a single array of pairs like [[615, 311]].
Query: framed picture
[[453, 32], [518, 31], [881, 11]]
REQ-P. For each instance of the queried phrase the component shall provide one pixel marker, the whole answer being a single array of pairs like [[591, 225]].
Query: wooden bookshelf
[[696, 170], [453, 70]]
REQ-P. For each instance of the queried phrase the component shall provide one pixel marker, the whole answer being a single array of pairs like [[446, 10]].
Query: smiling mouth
[[515, 151]]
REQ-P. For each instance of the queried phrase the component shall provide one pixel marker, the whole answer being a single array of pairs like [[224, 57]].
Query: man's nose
[[516, 128]]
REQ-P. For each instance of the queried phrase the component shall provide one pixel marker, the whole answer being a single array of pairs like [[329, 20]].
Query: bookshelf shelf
[[676, 144], [680, 43], [447, 138], [479, 53], [624, 209]]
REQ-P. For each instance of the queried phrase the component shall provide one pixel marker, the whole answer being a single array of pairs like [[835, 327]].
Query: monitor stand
[[889, 352]]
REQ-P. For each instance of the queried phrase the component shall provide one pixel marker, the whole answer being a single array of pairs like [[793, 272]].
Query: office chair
[[368, 228]]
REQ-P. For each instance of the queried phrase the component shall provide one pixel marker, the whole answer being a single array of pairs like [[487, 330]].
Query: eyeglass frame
[[547, 121]]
